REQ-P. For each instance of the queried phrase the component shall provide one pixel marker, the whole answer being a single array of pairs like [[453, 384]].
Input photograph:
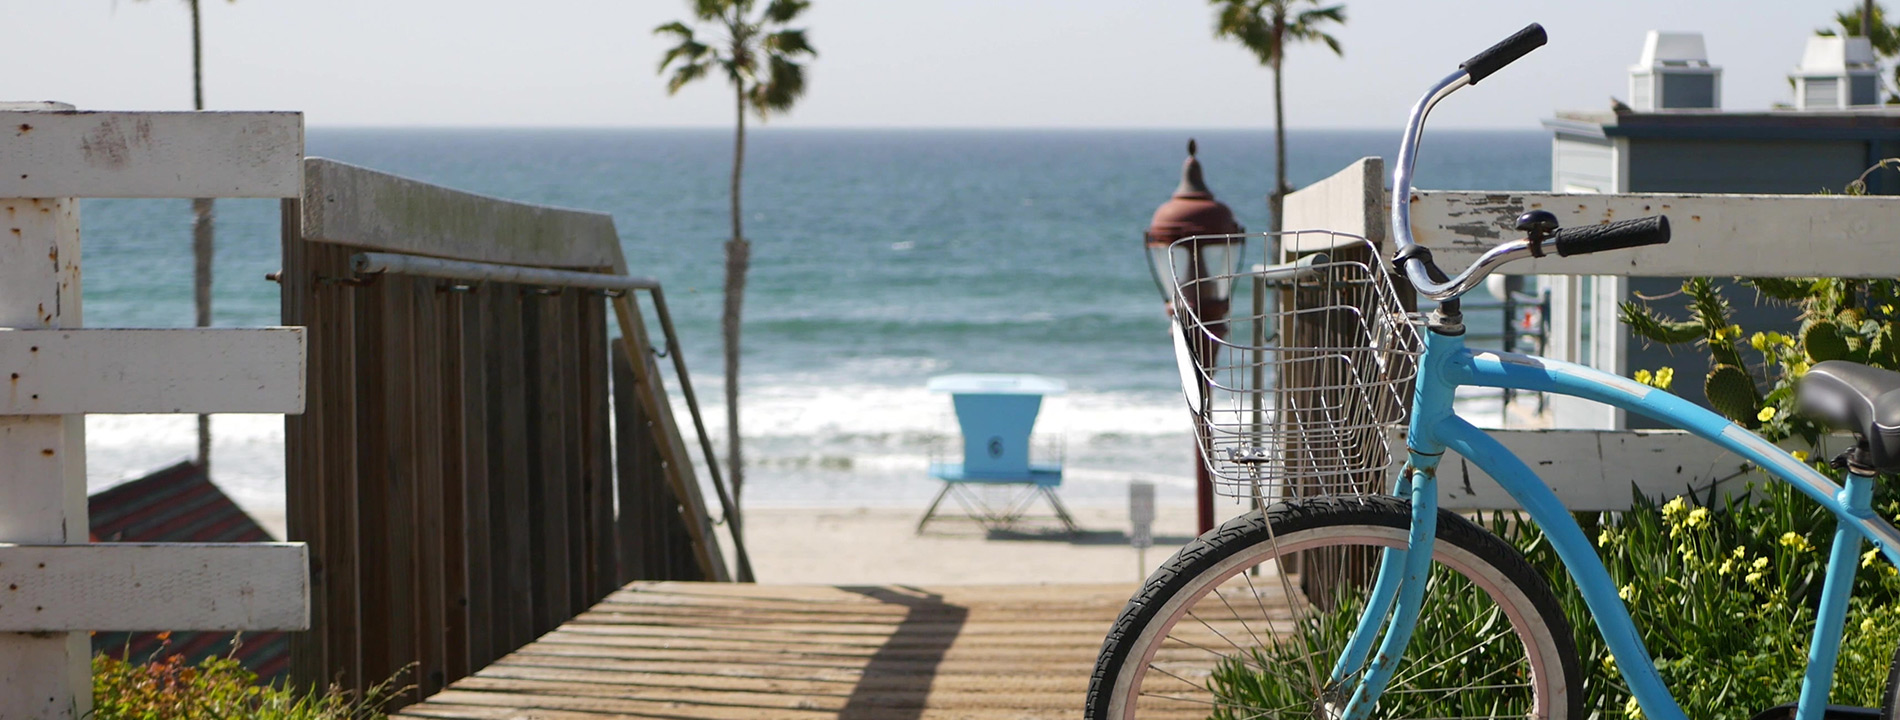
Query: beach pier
[[55, 586]]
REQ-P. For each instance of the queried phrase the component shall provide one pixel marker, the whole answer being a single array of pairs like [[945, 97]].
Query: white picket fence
[[1713, 235], [55, 586]]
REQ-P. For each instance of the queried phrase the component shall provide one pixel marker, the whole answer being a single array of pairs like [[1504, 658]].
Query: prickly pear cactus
[[1732, 393], [1824, 341]]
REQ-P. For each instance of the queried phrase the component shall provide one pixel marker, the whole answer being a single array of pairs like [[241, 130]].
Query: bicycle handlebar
[[1572, 241], [1481, 65]]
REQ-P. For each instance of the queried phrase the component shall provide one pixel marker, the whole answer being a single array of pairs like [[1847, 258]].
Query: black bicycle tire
[[1244, 532]]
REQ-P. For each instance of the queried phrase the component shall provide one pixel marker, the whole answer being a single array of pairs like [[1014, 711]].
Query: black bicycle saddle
[[1860, 399]]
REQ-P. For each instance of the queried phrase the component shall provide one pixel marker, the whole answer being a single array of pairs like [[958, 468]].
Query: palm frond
[[784, 11], [685, 75], [1243, 22], [780, 89], [789, 43], [711, 10], [689, 51]]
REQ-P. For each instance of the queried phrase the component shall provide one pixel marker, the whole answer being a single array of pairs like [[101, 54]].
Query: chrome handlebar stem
[[1402, 207]]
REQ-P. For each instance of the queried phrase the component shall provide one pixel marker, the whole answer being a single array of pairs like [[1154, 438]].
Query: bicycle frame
[[1446, 365]]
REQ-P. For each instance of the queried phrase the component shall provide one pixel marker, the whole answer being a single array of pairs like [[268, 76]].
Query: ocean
[[880, 258]]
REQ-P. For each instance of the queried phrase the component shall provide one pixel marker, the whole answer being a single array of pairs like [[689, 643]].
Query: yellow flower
[[1606, 537], [1732, 332], [1632, 710], [1740, 552], [1800, 455], [1799, 368], [1664, 377], [1754, 578], [1609, 663], [1698, 517], [1727, 567], [1796, 541], [1674, 509], [1642, 376], [1760, 562], [1627, 592], [1766, 414], [1867, 558], [1759, 341]]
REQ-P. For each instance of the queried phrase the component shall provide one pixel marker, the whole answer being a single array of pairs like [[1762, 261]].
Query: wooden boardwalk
[[730, 651]]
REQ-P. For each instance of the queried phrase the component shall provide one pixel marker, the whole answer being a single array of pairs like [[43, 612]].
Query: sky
[[883, 63]]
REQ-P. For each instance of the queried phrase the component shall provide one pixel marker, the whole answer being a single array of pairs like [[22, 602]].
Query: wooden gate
[[453, 473]]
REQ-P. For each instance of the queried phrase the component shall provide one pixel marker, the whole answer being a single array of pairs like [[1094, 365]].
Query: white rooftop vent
[[1836, 73], [1674, 73]]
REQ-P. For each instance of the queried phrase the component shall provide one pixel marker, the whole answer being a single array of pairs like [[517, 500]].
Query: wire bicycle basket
[[1301, 389]]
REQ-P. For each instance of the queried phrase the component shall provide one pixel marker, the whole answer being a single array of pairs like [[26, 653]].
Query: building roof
[[179, 504], [1877, 122]]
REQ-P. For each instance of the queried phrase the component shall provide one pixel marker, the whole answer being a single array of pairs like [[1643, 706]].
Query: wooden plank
[[452, 416], [66, 371], [508, 467], [377, 465], [154, 586], [357, 206], [598, 451], [43, 486], [151, 154], [397, 487], [478, 496], [548, 520], [430, 530], [303, 450], [1720, 235], [342, 466], [1597, 470]]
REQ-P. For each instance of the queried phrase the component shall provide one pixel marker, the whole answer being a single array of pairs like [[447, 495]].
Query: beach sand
[[880, 546]]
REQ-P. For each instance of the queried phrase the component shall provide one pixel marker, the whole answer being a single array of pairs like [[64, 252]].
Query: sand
[[881, 546]]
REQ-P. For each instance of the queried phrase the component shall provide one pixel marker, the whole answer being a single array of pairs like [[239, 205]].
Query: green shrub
[[217, 688]]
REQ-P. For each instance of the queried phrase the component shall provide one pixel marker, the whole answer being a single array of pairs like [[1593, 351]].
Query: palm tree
[[201, 226], [1265, 27], [759, 56]]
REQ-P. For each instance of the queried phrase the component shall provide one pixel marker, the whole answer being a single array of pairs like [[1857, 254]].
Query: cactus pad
[[1733, 394]]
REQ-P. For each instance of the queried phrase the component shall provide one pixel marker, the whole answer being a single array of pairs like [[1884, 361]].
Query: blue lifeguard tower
[[996, 414]]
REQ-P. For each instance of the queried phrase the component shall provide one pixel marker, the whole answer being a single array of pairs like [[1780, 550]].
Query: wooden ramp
[[727, 651]]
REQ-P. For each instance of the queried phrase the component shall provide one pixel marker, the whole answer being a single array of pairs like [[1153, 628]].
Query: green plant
[[217, 688]]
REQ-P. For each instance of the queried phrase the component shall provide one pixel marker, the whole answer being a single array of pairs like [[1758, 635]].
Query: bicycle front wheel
[[1251, 621]]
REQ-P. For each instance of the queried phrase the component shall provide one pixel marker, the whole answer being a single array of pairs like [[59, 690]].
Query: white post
[[42, 457]]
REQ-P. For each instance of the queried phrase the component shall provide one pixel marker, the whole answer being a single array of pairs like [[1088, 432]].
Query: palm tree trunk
[[201, 230], [738, 256], [1277, 200]]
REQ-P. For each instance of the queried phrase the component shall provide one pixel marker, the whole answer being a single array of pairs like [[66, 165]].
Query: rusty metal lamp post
[[1204, 269]]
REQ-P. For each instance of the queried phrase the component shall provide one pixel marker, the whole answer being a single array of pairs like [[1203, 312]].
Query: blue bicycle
[[1352, 594]]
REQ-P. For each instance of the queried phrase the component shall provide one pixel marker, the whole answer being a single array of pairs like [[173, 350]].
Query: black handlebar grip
[[1652, 230], [1481, 66]]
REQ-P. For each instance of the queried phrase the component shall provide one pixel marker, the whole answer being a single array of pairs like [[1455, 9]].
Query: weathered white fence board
[[1594, 469], [143, 586], [351, 205], [67, 153], [57, 372], [1720, 235]]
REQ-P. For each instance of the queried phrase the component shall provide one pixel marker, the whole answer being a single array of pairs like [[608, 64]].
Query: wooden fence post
[[43, 494]]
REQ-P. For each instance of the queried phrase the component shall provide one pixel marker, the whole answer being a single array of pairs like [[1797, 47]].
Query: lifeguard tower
[[996, 414]]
